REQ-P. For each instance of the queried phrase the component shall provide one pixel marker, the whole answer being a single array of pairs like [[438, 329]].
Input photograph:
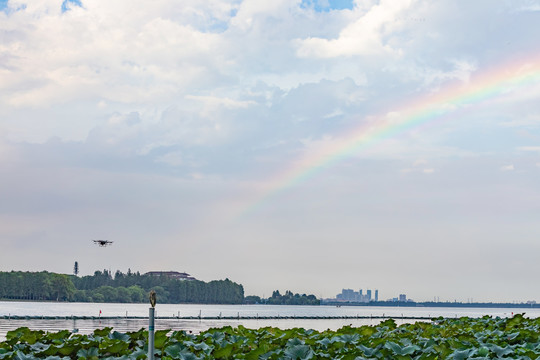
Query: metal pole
[[151, 333]]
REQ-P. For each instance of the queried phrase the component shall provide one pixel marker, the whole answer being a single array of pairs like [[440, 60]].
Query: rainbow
[[495, 83]]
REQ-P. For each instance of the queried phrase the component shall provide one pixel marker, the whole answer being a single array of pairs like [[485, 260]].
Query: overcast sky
[[235, 139]]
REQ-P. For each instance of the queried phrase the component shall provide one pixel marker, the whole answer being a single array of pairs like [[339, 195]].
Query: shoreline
[[410, 304], [389, 304]]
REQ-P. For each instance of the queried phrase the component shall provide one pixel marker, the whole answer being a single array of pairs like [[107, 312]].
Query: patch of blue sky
[[213, 24], [327, 5], [216, 26], [9, 9], [68, 3]]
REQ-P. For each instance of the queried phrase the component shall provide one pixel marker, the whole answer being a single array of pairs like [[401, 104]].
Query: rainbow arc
[[494, 83]]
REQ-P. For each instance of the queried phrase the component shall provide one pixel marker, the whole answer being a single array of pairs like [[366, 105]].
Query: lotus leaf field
[[464, 338]]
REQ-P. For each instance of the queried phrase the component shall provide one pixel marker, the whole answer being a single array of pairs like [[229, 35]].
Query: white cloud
[[461, 71], [336, 72], [364, 36], [219, 101], [174, 158], [507, 167], [528, 120], [529, 8], [418, 166], [250, 9], [7, 153], [142, 56], [529, 148]]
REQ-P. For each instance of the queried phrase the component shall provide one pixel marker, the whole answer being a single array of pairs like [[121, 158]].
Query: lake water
[[9, 308]]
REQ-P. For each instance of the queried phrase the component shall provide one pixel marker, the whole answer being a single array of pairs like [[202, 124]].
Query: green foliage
[[464, 338], [292, 299], [252, 299], [123, 288]]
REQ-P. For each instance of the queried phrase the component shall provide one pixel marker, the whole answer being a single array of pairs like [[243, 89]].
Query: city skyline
[[308, 145], [388, 297]]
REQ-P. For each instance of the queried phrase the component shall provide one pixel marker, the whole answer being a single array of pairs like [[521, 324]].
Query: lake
[[60, 309]]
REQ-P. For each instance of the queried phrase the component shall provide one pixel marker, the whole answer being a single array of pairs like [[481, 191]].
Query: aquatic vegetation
[[463, 338]]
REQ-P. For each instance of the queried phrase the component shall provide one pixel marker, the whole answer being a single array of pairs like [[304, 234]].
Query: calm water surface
[[183, 310]]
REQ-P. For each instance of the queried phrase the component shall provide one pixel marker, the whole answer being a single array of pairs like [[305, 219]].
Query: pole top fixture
[[152, 298]]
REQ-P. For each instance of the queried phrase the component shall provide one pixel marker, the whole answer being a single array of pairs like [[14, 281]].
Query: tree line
[[104, 287], [286, 299], [35, 286]]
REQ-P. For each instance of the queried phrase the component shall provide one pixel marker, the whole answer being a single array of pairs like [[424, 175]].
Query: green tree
[[62, 287], [161, 294], [42, 286], [97, 297], [252, 299], [123, 295], [136, 293], [81, 296], [130, 287], [108, 292]]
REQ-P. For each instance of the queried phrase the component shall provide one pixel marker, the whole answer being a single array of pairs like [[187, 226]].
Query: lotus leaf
[[113, 347], [294, 342], [160, 338], [19, 355], [462, 338], [102, 332], [115, 335], [301, 352], [501, 351]]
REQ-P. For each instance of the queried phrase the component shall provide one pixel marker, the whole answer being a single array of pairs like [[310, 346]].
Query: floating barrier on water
[[220, 317]]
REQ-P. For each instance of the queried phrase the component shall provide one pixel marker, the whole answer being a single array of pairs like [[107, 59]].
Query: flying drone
[[103, 243]]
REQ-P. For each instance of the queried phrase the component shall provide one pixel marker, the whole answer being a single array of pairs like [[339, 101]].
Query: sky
[[306, 145]]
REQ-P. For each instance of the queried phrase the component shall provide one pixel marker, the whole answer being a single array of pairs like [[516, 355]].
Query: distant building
[[171, 274], [349, 295], [402, 297], [376, 295]]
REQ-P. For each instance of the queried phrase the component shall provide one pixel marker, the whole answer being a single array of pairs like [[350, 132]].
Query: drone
[[103, 243]]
